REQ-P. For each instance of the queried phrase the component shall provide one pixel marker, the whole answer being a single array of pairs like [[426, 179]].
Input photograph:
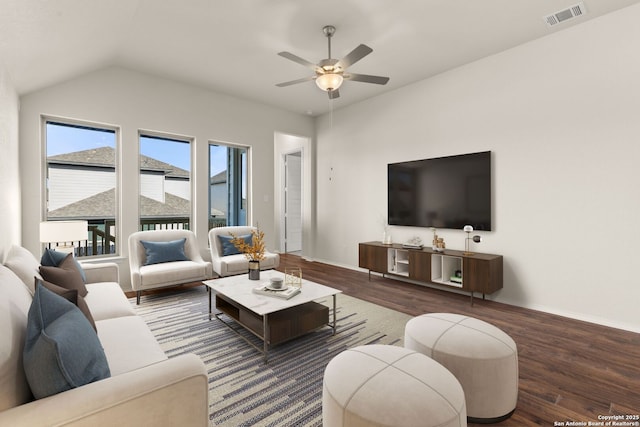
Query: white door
[[293, 202]]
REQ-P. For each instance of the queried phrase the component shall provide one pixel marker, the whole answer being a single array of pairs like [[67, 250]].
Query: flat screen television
[[443, 192]]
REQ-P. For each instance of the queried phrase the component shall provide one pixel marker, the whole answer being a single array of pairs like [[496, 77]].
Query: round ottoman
[[482, 357], [385, 385]]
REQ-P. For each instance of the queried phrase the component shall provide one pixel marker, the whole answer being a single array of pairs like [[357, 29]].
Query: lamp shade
[[329, 81], [63, 231]]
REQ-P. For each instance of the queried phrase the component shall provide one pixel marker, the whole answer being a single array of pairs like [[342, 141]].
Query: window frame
[[44, 181], [169, 137], [249, 193]]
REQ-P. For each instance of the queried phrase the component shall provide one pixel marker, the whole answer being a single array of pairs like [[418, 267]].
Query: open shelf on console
[[447, 270], [398, 261]]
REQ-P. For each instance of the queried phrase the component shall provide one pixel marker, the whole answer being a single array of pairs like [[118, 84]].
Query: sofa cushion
[[106, 300], [70, 295], [24, 265], [52, 258], [128, 344], [66, 275], [62, 351], [174, 273], [14, 306], [159, 252], [228, 248]]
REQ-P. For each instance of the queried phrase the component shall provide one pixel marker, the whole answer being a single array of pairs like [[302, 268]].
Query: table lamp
[[468, 229], [64, 232]]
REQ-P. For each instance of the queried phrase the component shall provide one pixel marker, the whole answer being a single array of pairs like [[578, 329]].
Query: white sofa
[[165, 274], [145, 388], [230, 265]]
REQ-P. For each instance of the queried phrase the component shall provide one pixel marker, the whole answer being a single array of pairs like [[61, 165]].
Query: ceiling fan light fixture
[[329, 81]]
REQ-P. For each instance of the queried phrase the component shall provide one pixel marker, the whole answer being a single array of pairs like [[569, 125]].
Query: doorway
[[292, 195]]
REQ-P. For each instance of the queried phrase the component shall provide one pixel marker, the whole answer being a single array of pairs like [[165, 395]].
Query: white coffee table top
[[240, 289]]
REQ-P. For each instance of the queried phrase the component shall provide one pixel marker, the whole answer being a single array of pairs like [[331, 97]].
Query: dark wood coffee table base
[[278, 327]]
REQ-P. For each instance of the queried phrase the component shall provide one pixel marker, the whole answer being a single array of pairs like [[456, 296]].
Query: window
[[165, 182], [81, 181], [227, 185]]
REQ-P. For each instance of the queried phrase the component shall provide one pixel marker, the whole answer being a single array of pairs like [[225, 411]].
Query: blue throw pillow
[[158, 252], [61, 349], [51, 258], [229, 248]]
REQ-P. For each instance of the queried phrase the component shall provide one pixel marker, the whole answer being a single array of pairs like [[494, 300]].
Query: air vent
[[564, 15]]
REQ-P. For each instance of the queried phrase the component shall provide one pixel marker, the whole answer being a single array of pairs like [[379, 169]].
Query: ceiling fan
[[330, 72]]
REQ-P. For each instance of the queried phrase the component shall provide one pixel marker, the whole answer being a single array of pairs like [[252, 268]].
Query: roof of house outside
[[105, 157], [102, 206], [219, 178]]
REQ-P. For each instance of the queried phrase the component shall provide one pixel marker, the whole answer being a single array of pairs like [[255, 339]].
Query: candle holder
[[293, 277]]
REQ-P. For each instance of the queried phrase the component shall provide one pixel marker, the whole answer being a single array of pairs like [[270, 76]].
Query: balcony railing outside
[[102, 238]]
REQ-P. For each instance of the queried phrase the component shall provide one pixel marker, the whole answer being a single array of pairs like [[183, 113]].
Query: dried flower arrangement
[[254, 251]]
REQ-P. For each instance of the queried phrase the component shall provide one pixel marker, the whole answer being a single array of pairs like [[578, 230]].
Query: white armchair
[[166, 273], [229, 265]]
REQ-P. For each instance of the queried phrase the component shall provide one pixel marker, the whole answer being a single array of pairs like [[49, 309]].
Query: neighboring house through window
[[165, 182]]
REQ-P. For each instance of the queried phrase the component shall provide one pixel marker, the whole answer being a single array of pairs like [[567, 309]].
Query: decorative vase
[[254, 270]]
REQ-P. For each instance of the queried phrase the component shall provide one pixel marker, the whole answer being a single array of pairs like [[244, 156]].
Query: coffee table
[[274, 320]]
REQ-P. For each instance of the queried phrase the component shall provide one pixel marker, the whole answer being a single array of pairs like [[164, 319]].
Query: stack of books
[[285, 292]]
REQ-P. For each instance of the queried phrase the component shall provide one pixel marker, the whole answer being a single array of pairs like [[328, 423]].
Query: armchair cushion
[[159, 252], [61, 351]]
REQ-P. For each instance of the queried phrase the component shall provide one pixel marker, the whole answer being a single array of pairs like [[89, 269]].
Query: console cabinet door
[[420, 266], [482, 275], [373, 258]]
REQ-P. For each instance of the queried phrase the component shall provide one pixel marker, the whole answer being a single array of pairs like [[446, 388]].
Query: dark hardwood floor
[[569, 370]]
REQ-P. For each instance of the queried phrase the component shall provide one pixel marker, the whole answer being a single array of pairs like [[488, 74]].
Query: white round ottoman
[[384, 385], [482, 357]]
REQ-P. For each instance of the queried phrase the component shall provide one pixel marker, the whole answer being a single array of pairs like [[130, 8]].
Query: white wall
[[134, 101], [10, 219], [561, 115]]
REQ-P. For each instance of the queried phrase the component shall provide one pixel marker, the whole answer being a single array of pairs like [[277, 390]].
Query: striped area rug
[[243, 390]]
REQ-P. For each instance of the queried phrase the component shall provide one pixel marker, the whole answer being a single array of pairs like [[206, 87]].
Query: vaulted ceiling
[[231, 46]]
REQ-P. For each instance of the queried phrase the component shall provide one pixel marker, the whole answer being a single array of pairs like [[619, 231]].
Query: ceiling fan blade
[[354, 56], [333, 94], [301, 61], [379, 80], [293, 82]]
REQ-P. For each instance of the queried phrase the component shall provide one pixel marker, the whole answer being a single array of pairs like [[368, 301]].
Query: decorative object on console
[[293, 277], [64, 232], [435, 238], [468, 229], [386, 237], [437, 244], [413, 243]]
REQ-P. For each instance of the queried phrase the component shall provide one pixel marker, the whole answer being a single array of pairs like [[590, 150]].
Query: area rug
[[243, 390]]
